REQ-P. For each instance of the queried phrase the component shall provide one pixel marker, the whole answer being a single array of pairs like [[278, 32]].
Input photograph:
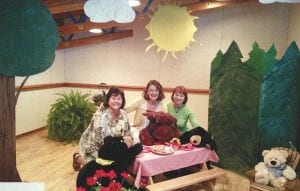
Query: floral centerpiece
[[108, 181]]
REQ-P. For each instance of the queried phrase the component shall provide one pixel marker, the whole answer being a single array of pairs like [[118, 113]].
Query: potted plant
[[69, 116]]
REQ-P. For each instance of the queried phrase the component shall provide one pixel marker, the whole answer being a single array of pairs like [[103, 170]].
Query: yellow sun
[[171, 29]]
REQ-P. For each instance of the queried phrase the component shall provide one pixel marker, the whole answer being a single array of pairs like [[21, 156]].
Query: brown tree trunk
[[8, 167]]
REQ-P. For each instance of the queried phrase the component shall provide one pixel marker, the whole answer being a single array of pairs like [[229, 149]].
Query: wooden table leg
[[150, 180]]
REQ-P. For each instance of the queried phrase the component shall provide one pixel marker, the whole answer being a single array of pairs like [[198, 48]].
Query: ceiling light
[[95, 30], [134, 3]]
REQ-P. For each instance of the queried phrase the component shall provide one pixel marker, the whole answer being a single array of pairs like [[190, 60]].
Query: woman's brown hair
[[182, 90], [114, 91], [159, 88]]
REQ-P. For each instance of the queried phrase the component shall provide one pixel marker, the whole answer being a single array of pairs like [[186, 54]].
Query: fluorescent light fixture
[[95, 30], [134, 3]]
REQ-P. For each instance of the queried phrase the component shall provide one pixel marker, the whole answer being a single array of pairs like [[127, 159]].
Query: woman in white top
[[151, 100]]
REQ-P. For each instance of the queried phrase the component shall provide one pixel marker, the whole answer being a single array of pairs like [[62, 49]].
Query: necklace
[[115, 114], [152, 106]]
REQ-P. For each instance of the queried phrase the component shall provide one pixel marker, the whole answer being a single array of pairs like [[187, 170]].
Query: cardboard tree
[[254, 105], [279, 120], [233, 109], [27, 46]]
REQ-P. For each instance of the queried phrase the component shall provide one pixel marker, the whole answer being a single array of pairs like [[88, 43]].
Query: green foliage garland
[[69, 116]]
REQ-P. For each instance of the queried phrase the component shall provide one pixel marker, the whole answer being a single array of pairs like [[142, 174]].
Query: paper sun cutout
[[280, 1], [171, 28], [101, 11]]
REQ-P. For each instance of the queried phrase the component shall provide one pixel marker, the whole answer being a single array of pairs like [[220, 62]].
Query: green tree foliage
[[255, 61], [69, 116], [233, 111], [269, 59], [279, 122], [29, 37]]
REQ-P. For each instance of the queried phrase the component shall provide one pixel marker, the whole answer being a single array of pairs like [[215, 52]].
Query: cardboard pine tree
[[233, 111], [255, 61], [28, 41], [269, 60], [279, 121]]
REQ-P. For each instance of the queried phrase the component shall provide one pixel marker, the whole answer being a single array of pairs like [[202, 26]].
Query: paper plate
[[166, 151]]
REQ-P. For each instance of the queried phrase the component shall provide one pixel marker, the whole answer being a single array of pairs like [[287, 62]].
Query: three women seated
[[112, 119]]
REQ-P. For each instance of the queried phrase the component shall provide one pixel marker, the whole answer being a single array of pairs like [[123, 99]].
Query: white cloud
[[101, 11], [280, 1]]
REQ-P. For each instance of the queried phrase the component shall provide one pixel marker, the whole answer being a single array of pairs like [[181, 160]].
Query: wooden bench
[[183, 181]]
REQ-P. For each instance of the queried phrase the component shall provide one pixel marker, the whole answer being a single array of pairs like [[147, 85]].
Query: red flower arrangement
[[94, 183]]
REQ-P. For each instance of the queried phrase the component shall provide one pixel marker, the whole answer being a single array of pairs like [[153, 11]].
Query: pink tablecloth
[[150, 164]]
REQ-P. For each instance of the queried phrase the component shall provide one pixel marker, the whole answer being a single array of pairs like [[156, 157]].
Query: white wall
[[294, 26], [125, 62], [33, 106]]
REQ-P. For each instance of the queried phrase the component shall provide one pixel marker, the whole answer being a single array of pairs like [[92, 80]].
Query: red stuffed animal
[[162, 128]]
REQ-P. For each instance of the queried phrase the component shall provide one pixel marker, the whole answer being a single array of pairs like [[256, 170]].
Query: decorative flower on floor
[[171, 28], [94, 182]]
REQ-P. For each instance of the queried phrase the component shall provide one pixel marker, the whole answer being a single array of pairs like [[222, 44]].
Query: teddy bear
[[274, 170], [161, 128], [198, 137], [114, 158]]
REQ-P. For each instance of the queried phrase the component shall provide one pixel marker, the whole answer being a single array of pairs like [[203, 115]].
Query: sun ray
[[173, 54], [165, 56], [150, 46]]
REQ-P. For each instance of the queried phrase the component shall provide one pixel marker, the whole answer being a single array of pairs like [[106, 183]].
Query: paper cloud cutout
[[101, 11], [280, 1]]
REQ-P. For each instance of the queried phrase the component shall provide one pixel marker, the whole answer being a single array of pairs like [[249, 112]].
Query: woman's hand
[[128, 140]]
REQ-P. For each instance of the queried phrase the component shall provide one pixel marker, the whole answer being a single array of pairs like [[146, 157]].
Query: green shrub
[[69, 116]]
